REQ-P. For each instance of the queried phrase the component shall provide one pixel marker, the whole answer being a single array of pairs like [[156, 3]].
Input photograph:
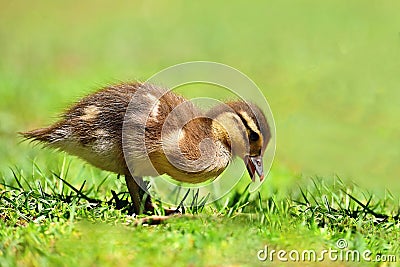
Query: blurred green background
[[329, 69]]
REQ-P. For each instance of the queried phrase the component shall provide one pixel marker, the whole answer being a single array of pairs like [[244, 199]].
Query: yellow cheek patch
[[250, 122], [255, 146]]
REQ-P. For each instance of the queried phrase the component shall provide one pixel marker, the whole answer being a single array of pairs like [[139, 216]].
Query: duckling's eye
[[254, 136]]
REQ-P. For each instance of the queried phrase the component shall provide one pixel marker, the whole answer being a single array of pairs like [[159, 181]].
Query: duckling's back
[[92, 128]]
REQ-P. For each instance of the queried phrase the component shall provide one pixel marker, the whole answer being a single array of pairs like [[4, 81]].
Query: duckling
[[139, 129]]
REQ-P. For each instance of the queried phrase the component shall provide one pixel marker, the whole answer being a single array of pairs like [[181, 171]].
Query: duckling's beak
[[254, 164]]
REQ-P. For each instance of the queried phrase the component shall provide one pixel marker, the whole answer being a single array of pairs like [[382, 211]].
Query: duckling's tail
[[47, 135]]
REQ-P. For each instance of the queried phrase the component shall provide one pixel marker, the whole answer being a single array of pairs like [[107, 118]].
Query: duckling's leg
[[141, 201]]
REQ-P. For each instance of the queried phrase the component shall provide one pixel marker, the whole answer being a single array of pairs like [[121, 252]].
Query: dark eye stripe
[[244, 121], [253, 135]]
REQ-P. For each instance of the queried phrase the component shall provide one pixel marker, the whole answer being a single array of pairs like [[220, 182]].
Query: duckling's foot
[[142, 203], [138, 195]]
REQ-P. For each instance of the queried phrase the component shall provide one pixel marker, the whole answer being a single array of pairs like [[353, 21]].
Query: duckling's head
[[244, 128]]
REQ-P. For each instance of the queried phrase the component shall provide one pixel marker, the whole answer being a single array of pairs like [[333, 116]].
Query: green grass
[[44, 221], [329, 71]]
